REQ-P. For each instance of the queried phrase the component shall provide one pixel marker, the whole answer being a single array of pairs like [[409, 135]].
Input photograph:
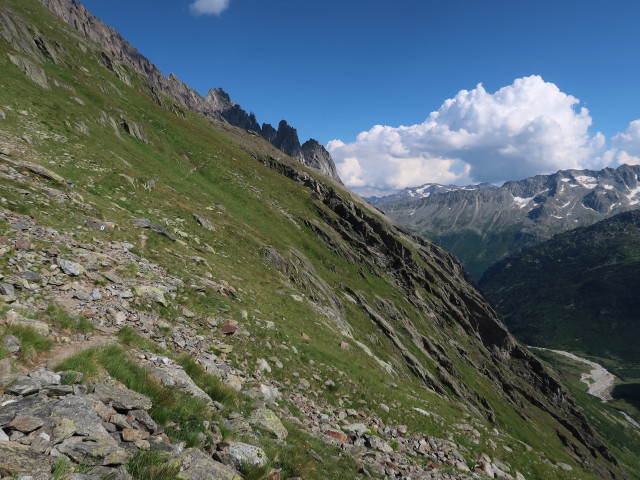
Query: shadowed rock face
[[286, 139], [316, 156], [216, 104]]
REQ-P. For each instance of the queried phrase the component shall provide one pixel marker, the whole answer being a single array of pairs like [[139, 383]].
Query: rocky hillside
[[577, 291], [216, 105], [258, 307], [482, 226]]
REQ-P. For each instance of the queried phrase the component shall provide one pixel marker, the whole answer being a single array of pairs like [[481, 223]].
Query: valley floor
[[599, 380]]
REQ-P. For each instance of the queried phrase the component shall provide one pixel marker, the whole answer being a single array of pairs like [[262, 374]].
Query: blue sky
[[335, 69]]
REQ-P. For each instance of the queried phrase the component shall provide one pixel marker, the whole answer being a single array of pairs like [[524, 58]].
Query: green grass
[[255, 472], [4, 353], [59, 317], [129, 337], [153, 465], [211, 385], [181, 413], [294, 460], [84, 362], [129, 270], [61, 469], [619, 434], [32, 342]]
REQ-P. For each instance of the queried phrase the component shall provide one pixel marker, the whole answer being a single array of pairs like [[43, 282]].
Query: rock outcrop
[[285, 139], [316, 156]]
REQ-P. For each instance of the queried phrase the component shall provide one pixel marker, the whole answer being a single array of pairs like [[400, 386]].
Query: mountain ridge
[[216, 104], [481, 226], [424, 191]]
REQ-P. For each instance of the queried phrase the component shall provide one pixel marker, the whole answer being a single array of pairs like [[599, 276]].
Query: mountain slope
[[244, 238], [482, 226], [577, 291], [215, 105]]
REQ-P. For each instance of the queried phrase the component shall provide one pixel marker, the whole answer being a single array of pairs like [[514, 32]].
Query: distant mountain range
[[483, 225], [577, 291], [424, 191]]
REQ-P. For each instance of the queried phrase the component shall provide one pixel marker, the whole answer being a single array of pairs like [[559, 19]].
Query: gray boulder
[[40, 407], [7, 289], [45, 377], [21, 385], [121, 398], [76, 417], [70, 268], [269, 421], [204, 222], [16, 459], [196, 465], [11, 343], [94, 453], [143, 419], [175, 376], [240, 455]]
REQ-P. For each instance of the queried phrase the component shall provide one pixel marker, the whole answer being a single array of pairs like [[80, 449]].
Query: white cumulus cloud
[[523, 129], [628, 144], [209, 7]]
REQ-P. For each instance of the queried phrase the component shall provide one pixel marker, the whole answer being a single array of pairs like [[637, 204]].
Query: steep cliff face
[[316, 156], [216, 104], [286, 139]]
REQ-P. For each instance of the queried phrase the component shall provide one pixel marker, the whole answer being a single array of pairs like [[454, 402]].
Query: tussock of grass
[[58, 316], [128, 336], [255, 472], [152, 465], [61, 469], [31, 341], [181, 413], [211, 385], [84, 362]]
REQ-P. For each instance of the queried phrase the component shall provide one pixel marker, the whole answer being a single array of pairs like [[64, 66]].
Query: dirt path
[[599, 380], [62, 352]]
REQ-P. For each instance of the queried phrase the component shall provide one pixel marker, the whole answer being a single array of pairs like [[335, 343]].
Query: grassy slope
[[205, 169], [577, 291], [620, 435]]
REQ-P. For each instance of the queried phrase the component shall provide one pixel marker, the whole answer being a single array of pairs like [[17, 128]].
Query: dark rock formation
[[286, 139]]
